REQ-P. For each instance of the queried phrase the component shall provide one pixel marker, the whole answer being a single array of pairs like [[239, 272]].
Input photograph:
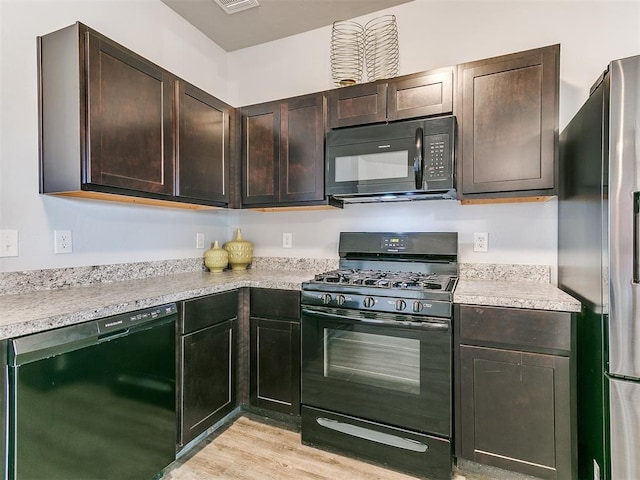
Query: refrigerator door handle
[[636, 235]]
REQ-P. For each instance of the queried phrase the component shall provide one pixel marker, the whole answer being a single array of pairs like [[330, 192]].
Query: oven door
[[378, 369]]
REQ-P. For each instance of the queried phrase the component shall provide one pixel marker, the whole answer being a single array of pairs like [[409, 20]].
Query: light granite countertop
[[33, 311], [517, 294], [21, 314]]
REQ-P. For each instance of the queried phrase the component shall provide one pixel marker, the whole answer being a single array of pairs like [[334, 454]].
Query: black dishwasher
[[94, 400]]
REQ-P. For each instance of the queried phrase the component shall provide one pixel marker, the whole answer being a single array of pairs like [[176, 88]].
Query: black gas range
[[376, 348], [403, 273]]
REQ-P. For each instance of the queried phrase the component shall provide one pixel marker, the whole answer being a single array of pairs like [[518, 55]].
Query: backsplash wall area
[[518, 232], [432, 34]]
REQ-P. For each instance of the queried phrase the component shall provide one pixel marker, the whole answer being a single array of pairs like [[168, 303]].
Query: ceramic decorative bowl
[[216, 259], [240, 252]]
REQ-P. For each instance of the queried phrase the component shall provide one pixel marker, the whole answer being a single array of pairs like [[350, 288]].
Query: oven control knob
[[368, 302], [326, 298], [417, 306], [401, 304], [340, 299]]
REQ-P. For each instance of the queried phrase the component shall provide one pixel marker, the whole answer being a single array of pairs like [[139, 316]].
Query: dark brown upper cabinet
[[410, 96], [508, 125], [129, 130], [203, 146], [115, 126], [283, 152]]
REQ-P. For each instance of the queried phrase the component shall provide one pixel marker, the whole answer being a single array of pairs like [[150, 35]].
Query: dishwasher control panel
[[126, 320]]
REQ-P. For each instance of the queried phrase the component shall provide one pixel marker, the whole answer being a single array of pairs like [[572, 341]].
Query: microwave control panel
[[437, 157]]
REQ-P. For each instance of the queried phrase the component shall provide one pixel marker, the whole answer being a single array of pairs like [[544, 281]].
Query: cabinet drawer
[[275, 304], [532, 330], [210, 310]]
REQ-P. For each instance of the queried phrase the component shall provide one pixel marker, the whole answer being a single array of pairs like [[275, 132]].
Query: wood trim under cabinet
[[152, 202]]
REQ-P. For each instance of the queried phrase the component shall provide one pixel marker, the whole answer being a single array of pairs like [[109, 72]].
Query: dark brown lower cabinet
[[275, 350], [516, 401], [208, 330]]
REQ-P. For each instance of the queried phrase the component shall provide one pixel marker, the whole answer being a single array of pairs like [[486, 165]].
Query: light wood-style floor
[[254, 449]]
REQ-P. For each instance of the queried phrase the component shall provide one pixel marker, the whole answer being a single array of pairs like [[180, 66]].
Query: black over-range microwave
[[408, 160]]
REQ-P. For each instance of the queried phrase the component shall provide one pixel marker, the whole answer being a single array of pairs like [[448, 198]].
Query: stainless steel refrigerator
[[599, 263]]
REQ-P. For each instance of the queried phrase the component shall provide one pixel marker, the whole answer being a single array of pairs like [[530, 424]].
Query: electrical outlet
[[199, 240], [481, 242], [62, 241], [287, 240], [8, 243]]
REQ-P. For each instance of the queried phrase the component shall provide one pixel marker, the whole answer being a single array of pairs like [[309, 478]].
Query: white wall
[[435, 34], [432, 34], [103, 233]]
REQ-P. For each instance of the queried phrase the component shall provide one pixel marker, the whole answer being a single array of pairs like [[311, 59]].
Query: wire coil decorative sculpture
[[353, 46], [347, 52], [381, 47]]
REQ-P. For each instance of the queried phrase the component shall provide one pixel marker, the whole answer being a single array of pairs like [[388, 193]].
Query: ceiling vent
[[235, 6]]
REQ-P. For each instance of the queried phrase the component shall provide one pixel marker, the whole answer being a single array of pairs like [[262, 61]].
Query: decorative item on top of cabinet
[[515, 397], [108, 128], [207, 362], [347, 52], [275, 350], [410, 96], [283, 153], [508, 125], [381, 48]]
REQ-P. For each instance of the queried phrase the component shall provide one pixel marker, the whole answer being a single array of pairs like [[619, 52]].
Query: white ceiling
[[272, 20]]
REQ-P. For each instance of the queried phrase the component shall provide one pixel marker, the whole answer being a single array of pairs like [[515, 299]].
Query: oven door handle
[[429, 324], [373, 435]]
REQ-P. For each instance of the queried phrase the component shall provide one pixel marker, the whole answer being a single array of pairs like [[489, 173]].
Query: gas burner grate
[[385, 279]]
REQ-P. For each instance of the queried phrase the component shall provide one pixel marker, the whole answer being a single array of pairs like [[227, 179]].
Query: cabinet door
[[130, 135], [420, 95], [203, 146], [275, 365], [207, 378], [302, 149], [515, 411], [508, 122], [261, 154], [357, 105]]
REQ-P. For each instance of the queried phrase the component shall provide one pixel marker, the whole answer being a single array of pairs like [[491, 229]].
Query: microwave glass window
[[373, 166], [381, 361]]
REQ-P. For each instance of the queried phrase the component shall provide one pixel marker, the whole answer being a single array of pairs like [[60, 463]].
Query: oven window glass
[[378, 360], [373, 166]]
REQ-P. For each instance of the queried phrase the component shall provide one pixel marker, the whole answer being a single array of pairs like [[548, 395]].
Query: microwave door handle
[[418, 159]]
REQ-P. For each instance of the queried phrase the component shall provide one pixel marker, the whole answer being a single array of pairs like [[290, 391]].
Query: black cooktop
[[386, 279]]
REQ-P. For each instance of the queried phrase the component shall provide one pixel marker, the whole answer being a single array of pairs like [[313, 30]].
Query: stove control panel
[[433, 308], [394, 243]]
